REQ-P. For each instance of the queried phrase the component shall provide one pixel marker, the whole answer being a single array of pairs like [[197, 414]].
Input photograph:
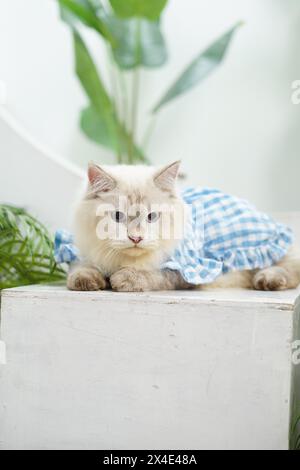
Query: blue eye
[[153, 217], [118, 217]]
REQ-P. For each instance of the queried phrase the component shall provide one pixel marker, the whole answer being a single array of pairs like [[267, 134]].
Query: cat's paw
[[274, 278], [84, 278], [129, 280]]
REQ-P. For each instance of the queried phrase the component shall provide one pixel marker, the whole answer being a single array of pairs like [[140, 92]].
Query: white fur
[[135, 183]]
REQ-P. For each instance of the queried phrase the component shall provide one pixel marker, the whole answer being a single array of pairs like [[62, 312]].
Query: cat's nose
[[135, 240]]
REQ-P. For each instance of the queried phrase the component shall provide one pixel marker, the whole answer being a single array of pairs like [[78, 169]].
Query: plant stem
[[124, 98], [134, 112], [125, 108], [118, 103], [149, 131], [135, 89], [114, 98]]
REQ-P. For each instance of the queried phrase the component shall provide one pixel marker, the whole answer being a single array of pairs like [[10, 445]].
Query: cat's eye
[[118, 217], [153, 217]]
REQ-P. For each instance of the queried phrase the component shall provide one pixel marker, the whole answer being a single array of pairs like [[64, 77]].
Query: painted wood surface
[[175, 370]]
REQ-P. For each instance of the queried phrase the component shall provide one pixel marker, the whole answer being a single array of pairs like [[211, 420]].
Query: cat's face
[[133, 211]]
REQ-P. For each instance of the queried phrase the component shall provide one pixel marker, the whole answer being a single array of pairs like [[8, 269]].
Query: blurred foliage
[[131, 30], [295, 443], [26, 250]]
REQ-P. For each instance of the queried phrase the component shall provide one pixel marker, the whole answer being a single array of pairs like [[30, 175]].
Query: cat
[[119, 230]]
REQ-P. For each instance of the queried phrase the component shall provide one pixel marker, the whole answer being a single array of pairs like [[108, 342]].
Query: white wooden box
[[178, 370]]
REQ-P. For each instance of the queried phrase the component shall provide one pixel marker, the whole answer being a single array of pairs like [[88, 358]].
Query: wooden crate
[[169, 370]]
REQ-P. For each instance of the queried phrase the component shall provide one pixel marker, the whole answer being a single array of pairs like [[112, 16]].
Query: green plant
[[295, 435], [26, 250], [295, 396], [132, 33]]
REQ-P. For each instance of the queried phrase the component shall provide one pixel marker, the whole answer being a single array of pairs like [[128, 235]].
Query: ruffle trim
[[205, 270]]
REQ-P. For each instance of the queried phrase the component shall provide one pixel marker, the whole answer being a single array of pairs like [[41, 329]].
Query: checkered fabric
[[64, 249], [223, 233]]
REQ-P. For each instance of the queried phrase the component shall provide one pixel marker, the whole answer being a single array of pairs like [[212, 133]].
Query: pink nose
[[135, 240]]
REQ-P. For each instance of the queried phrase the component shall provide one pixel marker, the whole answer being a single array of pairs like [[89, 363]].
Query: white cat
[[130, 221]]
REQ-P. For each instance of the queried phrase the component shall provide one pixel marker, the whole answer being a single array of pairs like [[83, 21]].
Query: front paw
[[87, 279], [129, 280]]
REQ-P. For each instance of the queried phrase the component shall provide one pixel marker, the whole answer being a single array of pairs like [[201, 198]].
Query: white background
[[238, 131]]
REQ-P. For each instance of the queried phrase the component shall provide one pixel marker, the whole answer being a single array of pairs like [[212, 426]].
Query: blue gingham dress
[[223, 234]]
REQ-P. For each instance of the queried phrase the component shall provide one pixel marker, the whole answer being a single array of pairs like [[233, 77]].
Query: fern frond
[[26, 250]]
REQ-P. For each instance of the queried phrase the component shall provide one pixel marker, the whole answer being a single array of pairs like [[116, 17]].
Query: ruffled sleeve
[[64, 249]]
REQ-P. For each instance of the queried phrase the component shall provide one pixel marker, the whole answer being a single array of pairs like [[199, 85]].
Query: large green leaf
[[199, 69], [151, 48], [150, 9], [99, 121], [87, 12], [94, 125], [130, 50], [96, 5], [67, 13], [102, 110], [89, 76], [80, 10]]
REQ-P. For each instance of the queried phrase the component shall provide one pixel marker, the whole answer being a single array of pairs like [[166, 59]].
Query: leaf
[[120, 33], [67, 13], [89, 76], [25, 259], [150, 9], [99, 121], [199, 69], [86, 12], [95, 127], [152, 48], [96, 5], [295, 435]]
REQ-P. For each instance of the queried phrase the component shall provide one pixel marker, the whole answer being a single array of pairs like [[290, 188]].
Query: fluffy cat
[[119, 231]]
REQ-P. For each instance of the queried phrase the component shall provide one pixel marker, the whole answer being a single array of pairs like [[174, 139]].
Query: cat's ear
[[99, 179], [166, 177]]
